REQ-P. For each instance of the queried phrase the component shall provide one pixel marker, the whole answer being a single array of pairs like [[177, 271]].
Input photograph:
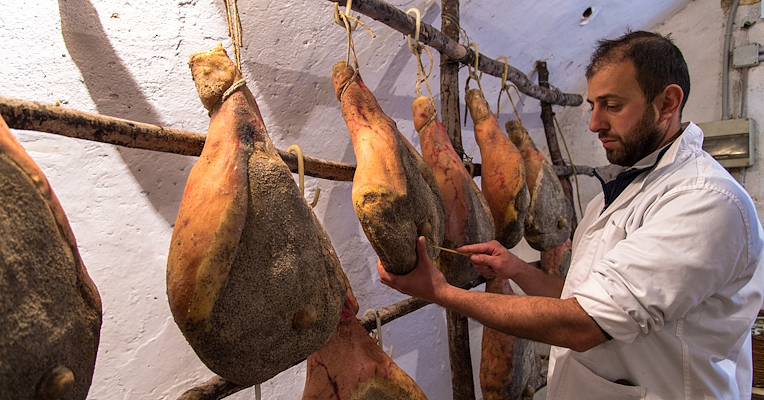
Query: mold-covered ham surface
[[395, 194], [50, 309], [546, 225], [253, 281]]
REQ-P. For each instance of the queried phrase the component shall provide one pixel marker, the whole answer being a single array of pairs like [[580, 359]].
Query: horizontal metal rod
[[389, 15]]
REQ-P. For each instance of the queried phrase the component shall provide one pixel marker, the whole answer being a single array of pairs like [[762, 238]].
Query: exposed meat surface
[[50, 309], [351, 366], [503, 172], [547, 223], [556, 261], [468, 217], [395, 194], [509, 366], [253, 281]]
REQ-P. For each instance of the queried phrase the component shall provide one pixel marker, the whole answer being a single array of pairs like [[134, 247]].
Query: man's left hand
[[425, 281]]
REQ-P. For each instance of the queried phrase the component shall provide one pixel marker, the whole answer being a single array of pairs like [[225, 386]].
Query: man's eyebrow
[[606, 96]]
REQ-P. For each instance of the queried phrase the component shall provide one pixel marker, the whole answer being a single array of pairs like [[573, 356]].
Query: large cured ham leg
[[546, 225], [468, 217], [395, 194], [351, 366], [50, 310], [510, 368], [252, 279], [556, 261], [503, 173]]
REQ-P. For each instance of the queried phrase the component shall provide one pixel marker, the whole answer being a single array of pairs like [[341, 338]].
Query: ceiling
[[554, 30]]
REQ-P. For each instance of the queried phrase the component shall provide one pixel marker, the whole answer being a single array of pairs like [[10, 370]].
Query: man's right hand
[[492, 259]]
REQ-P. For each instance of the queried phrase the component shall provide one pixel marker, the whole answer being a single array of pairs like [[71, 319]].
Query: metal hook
[[414, 47], [301, 173]]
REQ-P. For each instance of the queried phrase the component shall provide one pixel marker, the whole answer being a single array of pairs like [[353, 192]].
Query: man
[[665, 280]]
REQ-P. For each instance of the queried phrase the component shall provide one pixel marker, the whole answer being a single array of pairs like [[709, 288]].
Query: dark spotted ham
[[253, 281], [395, 194]]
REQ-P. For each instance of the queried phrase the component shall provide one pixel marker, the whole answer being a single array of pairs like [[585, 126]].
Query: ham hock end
[[395, 194], [253, 281], [50, 310]]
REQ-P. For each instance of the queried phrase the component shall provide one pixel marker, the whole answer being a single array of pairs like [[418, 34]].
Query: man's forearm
[[542, 319], [534, 282]]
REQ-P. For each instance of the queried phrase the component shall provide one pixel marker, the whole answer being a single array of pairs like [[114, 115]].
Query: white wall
[[128, 59], [698, 30]]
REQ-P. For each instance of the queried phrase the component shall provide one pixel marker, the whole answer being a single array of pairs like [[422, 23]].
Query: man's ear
[[668, 102]]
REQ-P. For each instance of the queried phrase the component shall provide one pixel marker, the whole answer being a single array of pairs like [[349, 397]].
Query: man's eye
[[613, 107]]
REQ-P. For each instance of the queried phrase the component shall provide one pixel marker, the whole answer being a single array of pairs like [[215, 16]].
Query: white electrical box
[[746, 56], [730, 141]]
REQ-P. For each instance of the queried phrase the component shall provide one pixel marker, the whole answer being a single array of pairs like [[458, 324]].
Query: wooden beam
[[547, 117], [450, 113], [389, 15], [41, 117]]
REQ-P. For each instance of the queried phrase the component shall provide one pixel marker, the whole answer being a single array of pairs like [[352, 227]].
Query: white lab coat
[[672, 271]]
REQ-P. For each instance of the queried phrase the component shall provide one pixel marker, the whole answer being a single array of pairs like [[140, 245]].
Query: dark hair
[[658, 61]]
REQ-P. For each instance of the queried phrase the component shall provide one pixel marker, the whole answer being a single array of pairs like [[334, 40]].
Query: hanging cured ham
[[351, 366], [468, 217], [50, 310], [546, 225], [510, 368], [395, 194], [503, 173], [556, 261], [252, 279]]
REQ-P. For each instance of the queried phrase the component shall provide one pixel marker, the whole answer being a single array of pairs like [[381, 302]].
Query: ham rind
[[395, 194], [546, 225], [510, 368], [556, 261], [50, 309], [351, 366], [468, 217], [253, 281], [502, 174]]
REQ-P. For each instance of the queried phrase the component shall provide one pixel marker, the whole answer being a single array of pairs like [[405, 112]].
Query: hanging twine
[[505, 88], [472, 75], [416, 49], [343, 19], [234, 29]]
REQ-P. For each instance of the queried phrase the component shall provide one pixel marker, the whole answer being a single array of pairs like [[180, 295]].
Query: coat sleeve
[[692, 242]]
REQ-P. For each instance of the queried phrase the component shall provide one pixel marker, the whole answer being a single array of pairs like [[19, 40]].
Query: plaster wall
[[127, 58], [698, 30]]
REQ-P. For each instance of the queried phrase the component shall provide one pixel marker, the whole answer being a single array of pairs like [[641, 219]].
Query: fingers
[[483, 248], [384, 276], [421, 249]]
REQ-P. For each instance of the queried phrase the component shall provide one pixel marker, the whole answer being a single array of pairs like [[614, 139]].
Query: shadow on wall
[[115, 93]]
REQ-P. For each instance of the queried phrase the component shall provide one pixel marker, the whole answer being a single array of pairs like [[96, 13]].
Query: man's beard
[[636, 144]]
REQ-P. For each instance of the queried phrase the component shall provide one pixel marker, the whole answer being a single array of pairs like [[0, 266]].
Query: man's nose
[[598, 122]]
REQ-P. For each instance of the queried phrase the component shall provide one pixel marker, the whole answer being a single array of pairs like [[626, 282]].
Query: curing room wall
[[129, 60], [698, 29]]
